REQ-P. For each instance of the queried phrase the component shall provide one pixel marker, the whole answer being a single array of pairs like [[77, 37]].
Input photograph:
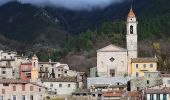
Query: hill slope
[[83, 32]]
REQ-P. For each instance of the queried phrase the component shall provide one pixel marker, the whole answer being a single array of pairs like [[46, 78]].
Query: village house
[[165, 80], [149, 80], [35, 70], [157, 94], [104, 84], [142, 65], [15, 89], [9, 63], [60, 87]]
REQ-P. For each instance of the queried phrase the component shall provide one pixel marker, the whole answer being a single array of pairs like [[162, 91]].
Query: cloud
[[71, 4], [4, 1]]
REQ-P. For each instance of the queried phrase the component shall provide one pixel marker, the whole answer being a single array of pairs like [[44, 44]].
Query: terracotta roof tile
[[131, 13], [141, 60], [133, 94], [113, 94], [12, 81], [62, 79], [154, 91], [164, 75]]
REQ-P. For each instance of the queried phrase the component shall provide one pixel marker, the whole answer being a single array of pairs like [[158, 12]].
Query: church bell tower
[[34, 71], [131, 37]]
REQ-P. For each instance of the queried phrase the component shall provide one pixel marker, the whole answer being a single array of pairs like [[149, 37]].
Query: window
[[3, 72], [131, 29], [46, 69], [151, 97], [65, 72], [23, 87], [99, 95], [147, 82], [39, 89], [1, 98], [34, 64], [5, 84], [137, 74], [149, 75], [58, 69], [4, 57], [14, 97], [14, 88], [69, 85], [144, 65], [137, 66], [23, 97], [164, 97], [158, 97], [31, 97], [58, 75], [51, 85], [168, 81], [31, 88], [3, 91], [151, 65], [112, 59], [60, 85]]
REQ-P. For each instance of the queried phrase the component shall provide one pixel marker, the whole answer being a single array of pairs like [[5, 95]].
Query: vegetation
[[62, 34]]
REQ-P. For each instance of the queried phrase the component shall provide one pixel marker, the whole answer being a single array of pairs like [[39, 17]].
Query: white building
[[63, 87], [165, 80], [116, 61], [10, 63], [107, 84]]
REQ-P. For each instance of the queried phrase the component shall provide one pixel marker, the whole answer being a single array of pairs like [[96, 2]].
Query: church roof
[[131, 13], [112, 48]]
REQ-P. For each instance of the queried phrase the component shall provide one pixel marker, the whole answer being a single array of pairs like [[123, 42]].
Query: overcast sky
[[70, 4]]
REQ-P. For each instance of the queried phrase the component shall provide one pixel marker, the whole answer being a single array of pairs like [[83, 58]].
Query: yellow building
[[141, 65]]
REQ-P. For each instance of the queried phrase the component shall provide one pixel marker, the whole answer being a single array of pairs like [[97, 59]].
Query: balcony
[[7, 59], [144, 70], [6, 66], [43, 71]]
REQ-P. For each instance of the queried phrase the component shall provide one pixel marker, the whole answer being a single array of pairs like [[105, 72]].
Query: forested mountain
[[69, 34]]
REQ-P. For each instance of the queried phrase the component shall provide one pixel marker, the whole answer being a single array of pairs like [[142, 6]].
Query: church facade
[[112, 60]]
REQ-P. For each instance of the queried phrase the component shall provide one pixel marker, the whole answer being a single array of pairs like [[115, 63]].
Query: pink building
[[14, 89], [25, 71]]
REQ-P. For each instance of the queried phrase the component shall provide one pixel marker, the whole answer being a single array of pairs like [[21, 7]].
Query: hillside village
[[120, 74]]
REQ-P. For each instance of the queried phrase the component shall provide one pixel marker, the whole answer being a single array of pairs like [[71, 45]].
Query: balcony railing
[[43, 71]]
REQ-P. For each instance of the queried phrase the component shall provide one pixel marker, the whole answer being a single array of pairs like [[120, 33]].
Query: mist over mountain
[[73, 35], [69, 4]]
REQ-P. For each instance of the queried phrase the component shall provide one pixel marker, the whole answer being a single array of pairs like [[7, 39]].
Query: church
[[112, 60]]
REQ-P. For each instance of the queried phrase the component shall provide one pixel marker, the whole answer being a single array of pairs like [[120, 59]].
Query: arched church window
[[131, 29]]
